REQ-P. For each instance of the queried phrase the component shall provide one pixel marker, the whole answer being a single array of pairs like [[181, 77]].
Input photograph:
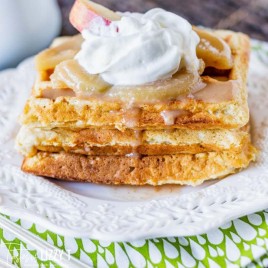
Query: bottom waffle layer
[[190, 169]]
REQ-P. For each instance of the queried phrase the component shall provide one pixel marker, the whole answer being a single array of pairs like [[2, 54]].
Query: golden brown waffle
[[115, 142], [190, 169], [223, 108], [184, 141]]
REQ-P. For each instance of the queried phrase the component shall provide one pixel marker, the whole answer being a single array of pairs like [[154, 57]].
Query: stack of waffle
[[186, 140]]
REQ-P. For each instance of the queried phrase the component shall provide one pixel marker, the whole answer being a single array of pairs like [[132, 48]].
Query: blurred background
[[27, 27], [248, 16]]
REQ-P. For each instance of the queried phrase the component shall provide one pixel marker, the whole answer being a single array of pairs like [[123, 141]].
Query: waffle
[[115, 142], [186, 140], [189, 169], [209, 108]]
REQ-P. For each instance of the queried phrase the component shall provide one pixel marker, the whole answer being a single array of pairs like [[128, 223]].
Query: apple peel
[[85, 12]]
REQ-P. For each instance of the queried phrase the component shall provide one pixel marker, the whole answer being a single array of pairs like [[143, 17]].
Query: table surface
[[248, 16]]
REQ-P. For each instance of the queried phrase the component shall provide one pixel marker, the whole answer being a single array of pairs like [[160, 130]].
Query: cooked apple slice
[[179, 85], [63, 50], [85, 12], [70, 74], [213, 50]]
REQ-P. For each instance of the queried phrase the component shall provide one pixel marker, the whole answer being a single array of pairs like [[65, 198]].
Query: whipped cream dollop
[[139, 48]]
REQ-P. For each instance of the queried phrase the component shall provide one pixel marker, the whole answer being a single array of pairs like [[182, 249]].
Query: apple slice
[[213, 50], [69, 74], [64, 48], [85, 12], [178, 85]]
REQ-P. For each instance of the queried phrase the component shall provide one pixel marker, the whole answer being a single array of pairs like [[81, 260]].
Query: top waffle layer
[[221, 104]]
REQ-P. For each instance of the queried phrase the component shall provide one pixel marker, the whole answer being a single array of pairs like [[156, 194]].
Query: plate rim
[[27, 197]]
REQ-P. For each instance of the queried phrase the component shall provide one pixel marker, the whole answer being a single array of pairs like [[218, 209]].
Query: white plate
[[125, 213]]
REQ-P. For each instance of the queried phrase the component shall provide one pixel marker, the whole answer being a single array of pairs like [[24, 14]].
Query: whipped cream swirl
[[139, 48]]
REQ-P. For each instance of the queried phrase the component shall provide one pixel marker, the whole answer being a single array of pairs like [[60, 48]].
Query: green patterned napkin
[[243, 242]]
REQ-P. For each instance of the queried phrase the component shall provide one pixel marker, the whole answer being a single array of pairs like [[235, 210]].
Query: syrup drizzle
[[131, 119], [169, 116]]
